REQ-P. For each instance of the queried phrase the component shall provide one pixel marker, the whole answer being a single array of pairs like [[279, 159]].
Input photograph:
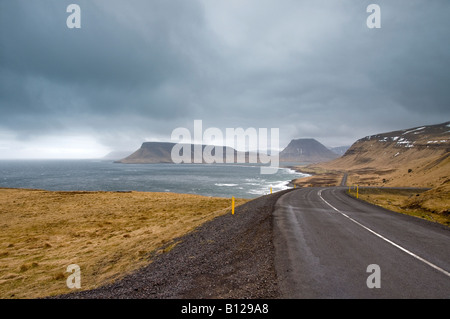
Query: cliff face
[[306, 151]]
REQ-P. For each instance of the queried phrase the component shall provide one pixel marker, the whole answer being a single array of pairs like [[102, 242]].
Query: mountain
[[149, 153], [418, 156], [306, 150], [340, 150], [160, 152]]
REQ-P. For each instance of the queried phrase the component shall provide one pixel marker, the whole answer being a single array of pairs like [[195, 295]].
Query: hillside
[[412, 157], [306, 150], [415, 157]]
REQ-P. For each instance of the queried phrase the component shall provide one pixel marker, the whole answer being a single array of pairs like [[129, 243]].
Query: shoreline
[[298, 170], [207, 180]]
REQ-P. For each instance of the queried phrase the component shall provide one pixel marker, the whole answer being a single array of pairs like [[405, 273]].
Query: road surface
[[325, 244]]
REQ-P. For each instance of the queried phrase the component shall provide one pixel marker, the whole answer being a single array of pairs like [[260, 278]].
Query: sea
[[217, 180]]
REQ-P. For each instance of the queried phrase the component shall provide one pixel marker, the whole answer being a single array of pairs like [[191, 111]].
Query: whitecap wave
[[225, 185]]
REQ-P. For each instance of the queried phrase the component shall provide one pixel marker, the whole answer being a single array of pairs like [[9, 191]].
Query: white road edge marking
[[385, 239]]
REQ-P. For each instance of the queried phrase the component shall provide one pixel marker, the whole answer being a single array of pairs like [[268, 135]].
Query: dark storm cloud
[[138, 69], [123, 60]]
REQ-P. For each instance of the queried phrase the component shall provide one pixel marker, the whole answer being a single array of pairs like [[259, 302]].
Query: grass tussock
[[107, 234]]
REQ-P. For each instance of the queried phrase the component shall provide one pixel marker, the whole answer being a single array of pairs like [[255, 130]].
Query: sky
[[138, 69]]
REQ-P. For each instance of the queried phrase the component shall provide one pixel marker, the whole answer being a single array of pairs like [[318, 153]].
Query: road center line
[[385, 239]]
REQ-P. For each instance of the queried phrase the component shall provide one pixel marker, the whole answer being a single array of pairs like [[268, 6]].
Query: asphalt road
[[325, 241]]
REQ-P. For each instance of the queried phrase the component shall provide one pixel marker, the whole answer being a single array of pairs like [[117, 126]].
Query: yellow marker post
[[232, 205], [271, 189], [357, 191]]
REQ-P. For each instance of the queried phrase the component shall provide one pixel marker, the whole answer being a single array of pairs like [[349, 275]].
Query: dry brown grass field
[[431, 205], [108, 234]]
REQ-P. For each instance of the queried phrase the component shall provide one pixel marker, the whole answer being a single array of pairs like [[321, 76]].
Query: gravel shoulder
[[232, 257]]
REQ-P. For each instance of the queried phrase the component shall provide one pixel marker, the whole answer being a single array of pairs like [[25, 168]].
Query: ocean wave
[[280, 185], [225, 185], [258, 191], [291, 171]]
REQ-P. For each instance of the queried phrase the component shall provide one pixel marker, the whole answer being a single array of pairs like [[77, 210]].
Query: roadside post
[[232, 205]]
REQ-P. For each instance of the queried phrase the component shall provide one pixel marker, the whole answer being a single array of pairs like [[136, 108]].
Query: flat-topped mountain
[[149, 153], [161, 152], [306, 150], [298, 151]]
